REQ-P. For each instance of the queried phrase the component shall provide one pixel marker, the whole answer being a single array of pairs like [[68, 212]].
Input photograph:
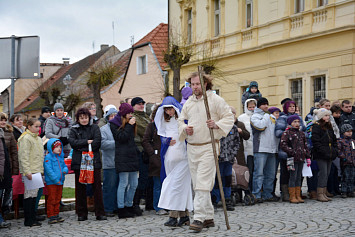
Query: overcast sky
[[69, 28]]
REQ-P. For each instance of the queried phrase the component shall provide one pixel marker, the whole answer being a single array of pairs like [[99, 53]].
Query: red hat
[[56, 144]]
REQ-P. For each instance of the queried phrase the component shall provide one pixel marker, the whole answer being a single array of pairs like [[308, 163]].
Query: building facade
[[302, 49]]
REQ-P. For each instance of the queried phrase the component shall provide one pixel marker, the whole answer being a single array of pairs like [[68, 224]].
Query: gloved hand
[[64, 140], [308, 162]]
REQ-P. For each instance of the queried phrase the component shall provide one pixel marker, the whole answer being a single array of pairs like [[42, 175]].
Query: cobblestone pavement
[[335, 218]]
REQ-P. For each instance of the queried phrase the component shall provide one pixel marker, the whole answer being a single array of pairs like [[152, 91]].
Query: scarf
[[61, 122]]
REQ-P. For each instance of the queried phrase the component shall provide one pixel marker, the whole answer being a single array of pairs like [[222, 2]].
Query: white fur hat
[[320, 113]]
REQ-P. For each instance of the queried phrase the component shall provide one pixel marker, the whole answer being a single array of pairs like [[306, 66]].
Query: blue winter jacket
[[54, 166], [280, 128], [107, 147]]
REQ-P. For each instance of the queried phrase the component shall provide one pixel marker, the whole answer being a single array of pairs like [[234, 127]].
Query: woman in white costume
[[176, 192]]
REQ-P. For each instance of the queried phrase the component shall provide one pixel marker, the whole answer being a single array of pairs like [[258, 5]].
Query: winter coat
[[294, 143], [78, 137], [324, 143], [346, 153], [142, 121], [151, 144], [280, 128], [107, 147], [42, 120], [245, 118], [53, 131], [11, 145], [309, 116], [30, 153], [229, 146], [5, 174], [17, 132], [126, 154], [243, 136], [263, 125], [54, 166], [348, 118]]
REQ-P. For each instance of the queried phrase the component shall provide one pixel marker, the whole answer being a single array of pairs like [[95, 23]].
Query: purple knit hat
[[287, 104], [292, 118], [125, 109], [273, 109]]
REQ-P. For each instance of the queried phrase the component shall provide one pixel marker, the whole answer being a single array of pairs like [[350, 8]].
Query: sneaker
[[60, 219], [5, 224], [161, 212], [197, 226], [52, 220]]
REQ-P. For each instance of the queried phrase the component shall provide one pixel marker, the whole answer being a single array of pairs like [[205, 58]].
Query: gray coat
[[53, 131], [107, 147]]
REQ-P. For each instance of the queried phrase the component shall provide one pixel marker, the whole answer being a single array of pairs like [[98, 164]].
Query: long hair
[[125, 121], [206, 79], [167, 116], [325, 125]]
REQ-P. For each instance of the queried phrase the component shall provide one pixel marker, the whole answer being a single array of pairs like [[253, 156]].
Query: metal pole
[[214, 147], [12, 75]]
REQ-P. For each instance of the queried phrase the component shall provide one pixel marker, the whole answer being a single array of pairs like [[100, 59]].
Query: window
[[189, 26], [217, 16], [322, 3], [249, 13], [299, 6], [142, 65], [296, 93], [319, 87]]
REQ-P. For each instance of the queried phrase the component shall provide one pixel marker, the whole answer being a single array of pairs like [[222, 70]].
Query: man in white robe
[[199, 147]]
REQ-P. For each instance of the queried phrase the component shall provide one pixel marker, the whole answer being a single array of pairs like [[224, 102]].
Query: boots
[[124, 213], [27, 209], [327, 194], [285, 194], [320, 195], [298, 195], [313, 195], [34, 213], [90, 203], [229, 204], [293, 198], [149, 200]]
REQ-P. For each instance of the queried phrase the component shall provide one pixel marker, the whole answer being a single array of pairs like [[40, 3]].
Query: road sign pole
[[12, 108]]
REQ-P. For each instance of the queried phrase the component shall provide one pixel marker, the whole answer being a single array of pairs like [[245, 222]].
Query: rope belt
[[202, 144]]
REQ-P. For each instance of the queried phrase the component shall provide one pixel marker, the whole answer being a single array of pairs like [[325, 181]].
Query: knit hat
[[186, 92], [56, 144], [253, 84], [109, 107], [45, 109], [320, 113], [109, 112], [273, 109], [136, 100], [345, 127], [287, 105], [125, 109], [292, 118], [58, 106], [285, 100], [262, 101]]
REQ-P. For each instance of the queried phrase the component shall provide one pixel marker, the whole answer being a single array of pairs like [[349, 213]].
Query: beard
[[197, 93]]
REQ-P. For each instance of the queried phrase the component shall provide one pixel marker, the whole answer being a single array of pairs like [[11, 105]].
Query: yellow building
[[302, 49]]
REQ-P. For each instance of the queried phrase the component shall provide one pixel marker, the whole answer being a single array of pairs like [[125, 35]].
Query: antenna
[[132, 40], [113, 33]]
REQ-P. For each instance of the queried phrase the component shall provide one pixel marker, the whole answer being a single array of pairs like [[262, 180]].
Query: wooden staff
[[213, 147]]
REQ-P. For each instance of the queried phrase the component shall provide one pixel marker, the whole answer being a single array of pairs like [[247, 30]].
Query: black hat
[[317, 99], [45, 109], [137, 100], [285, 100], [262, 101]]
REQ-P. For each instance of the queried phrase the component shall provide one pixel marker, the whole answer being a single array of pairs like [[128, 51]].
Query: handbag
[[87, 167]]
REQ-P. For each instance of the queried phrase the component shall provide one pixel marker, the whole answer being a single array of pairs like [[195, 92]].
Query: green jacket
[[142, 121], [30, 153]]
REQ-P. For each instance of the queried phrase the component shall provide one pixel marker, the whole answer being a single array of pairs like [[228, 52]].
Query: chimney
[[66, 61], [104, 46]]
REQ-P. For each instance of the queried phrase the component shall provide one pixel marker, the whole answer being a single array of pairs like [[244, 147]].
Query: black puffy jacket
[[78, 137], [126, 156], [324, 143]]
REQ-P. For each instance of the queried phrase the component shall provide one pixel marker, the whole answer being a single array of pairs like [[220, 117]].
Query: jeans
[[225, 169], [296, 175], [109, 190], [126, 188], [156, 192], [324, 170], [264, 174]]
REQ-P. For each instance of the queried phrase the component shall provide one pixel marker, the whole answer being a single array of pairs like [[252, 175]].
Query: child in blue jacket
[[54, 172]]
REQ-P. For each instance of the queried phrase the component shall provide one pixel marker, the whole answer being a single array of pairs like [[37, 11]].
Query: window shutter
[[138, 67], [146, 63]]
